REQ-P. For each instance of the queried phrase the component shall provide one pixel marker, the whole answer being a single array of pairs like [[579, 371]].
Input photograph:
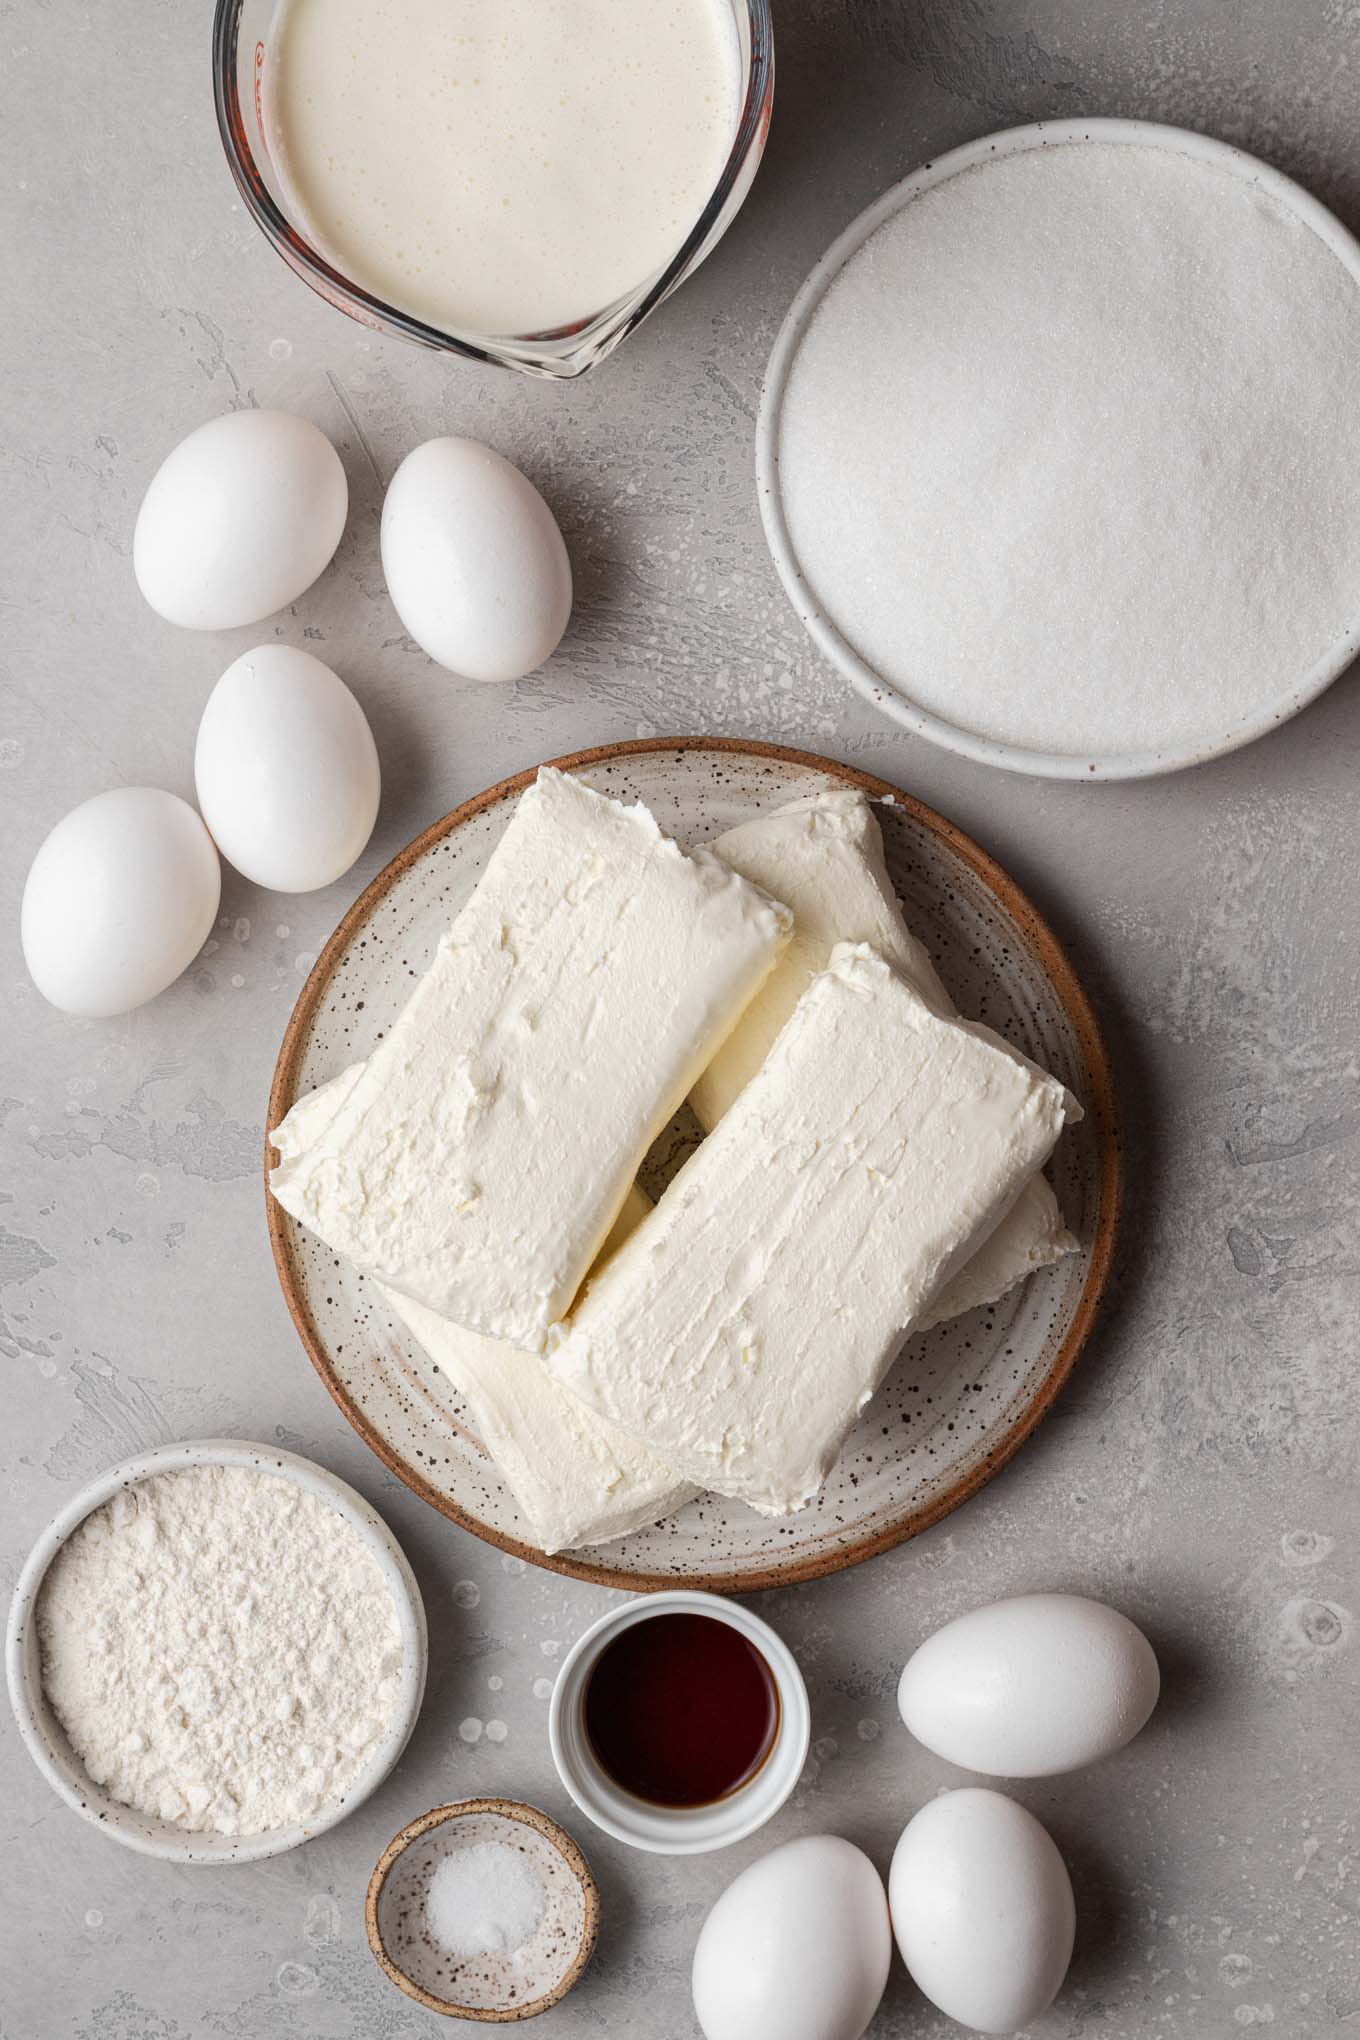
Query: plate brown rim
[[1100, 1103]]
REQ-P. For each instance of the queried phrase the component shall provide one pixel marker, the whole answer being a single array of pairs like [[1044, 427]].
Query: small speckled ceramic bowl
[[495, 1987], [43, 1735], [678, 1830]]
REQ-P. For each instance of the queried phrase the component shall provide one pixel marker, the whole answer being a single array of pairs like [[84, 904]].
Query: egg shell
[[119, 900], [1030, 1687], [474, 561], [286, 770], [797, 1947], [239, 520], [982, 1909]]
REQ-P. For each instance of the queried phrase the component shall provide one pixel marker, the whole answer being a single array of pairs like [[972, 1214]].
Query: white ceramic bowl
[[896, 701], [43, 1736], [665, 1830]]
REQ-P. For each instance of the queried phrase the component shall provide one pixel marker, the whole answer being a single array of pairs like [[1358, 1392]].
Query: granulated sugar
[[221, 1649], [1070, 452]]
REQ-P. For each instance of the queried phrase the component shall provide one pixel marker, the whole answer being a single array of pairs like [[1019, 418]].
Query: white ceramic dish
[[42, 1734], [669, 1830], [963, 1397], [884, 694]]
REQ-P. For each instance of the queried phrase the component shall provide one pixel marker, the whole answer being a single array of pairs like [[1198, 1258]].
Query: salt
[[1070, 451], [484, 1900]]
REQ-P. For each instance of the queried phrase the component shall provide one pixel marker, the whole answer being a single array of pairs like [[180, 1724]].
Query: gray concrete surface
[[1201, 1470]]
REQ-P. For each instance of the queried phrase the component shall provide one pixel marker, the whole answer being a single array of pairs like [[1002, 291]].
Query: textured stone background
[[1202, 1469]]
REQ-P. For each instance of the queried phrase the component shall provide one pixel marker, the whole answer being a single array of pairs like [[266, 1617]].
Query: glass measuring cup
[[240, 54]]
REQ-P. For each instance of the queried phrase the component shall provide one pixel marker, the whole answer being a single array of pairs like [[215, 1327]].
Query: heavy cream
[[500, 167]]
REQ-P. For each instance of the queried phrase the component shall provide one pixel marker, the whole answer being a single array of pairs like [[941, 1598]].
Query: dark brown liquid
[[681, 1709]]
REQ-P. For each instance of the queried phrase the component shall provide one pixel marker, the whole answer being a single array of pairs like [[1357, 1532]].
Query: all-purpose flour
[[1070, 451], [221, 1650]]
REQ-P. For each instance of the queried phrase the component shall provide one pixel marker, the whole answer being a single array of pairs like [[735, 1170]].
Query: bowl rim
[[46, 1744], [560, 354], [663, 1831], [891, 698], [508, 1809]]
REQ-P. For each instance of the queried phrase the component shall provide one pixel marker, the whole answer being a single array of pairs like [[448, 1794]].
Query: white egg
[[239, 520], [797, 1947], [474, 560], [119, 900], [1029, 1687], [286, 770], [982, 1909]]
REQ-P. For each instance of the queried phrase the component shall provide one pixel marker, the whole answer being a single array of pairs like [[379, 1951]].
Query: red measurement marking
[[259, 95]]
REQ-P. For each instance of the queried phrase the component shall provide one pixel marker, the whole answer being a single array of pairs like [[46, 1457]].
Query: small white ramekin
[[666, 1830], [42, 1733]]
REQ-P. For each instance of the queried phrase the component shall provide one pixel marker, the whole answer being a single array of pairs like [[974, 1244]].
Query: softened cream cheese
[[823, 856], [487, 1146], [576, 1478], [751, 1317]]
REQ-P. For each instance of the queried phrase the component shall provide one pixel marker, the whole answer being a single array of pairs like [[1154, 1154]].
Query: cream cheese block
[[823, 856], [484, 1152], [751, 1316], [576, 1478]]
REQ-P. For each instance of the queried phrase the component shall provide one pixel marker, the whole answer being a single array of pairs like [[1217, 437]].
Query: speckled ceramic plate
[[961, 1400]]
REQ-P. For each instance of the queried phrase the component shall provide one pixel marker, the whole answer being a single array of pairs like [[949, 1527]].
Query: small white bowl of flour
[[216, 1651]]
